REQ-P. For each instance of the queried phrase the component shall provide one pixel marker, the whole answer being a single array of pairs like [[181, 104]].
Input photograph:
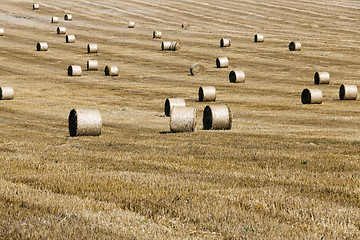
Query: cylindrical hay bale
[[61, 30], [311, 96], [165, 46], [54, 20], [2, 31], [185, 25], [175, 46], [68, 17], [222, 62], [92, 48], [207, 94], [217, 117], [111, 71], [322, 78], [258, 38], [92, 65], [131, 25], [172, 102], [157, 34], [74, 70], [237, 76], [196, 69], [295, 46], [225, 42], [42, 46], [36, 6], [70, 38], [348, 92], [6, 93], [85, 122], [182, 119]]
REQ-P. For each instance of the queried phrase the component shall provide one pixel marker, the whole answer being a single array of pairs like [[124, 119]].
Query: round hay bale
[[295, 46], [258, 38], [217, 117], [2, 31], [207, 94], [185, 25], [225, 42], [36, 6], [68, 17], [196, 69], [92, 65], [348, 92], [322, 78], [92, 48], [42, 46], [171, 102], [311, 96], [61, 30], [85, 122], [237, 76], [70, 38], [131, 25], [54, 20], [222, 62], [6, 93], [182, 119], [165, 45], [157, 35], [74, 70], [111, 71]]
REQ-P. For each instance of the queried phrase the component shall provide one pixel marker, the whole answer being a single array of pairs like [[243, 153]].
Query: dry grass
[[284, 171]]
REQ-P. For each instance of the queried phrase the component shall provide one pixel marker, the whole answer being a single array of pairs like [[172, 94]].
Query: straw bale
[[157, 35], [54, 20], [311, 96], [111, 71], [295, 46], [36, 6], [61, 30], [6, 93], [217, 117], [225, 42], [2, 31], [207, 94], [172, 102], [258, 38], [222, 62], [185, 25], [237, 76], [68, 17], [42, 46], [92, 48], [348, 92], [85, 122], [196, 69], [92, 65], [74, 70], [131, 25], [322, 78], [182, 119], [70, 38]]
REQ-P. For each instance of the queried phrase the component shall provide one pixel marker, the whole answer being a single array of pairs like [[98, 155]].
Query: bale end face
[[73, 123]]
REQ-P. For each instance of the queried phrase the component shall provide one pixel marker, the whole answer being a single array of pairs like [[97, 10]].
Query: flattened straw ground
[[322, 78], [85, 122], [185, 25], [207, 94], [6, 93], [172, 102], [237, 76], [217, 117], [311, 96], [182, 119], [348, 92]]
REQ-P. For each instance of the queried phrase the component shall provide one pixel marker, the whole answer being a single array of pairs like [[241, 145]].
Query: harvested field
[[285, 170]]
